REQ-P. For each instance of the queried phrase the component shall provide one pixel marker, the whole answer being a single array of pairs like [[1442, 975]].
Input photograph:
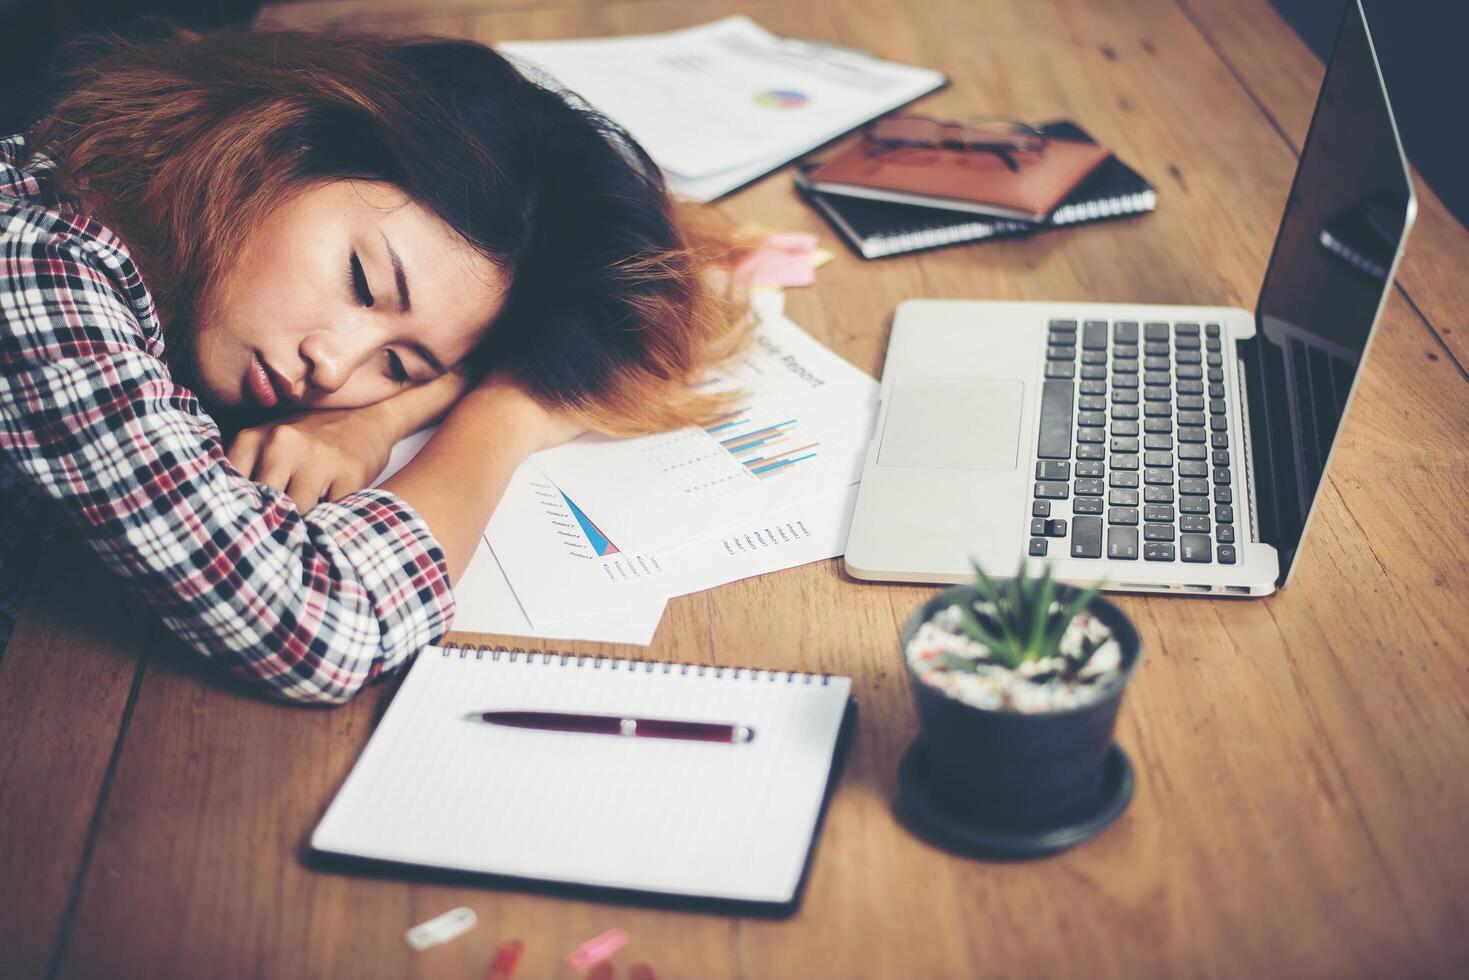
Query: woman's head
[[363, 213]]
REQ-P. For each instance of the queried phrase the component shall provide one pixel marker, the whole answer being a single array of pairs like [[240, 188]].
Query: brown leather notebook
[[961, 180]]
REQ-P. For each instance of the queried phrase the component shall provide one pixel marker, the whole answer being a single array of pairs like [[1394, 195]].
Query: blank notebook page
[[677, 817]]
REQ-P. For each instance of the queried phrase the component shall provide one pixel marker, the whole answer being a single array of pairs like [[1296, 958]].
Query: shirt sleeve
[[308, 607]]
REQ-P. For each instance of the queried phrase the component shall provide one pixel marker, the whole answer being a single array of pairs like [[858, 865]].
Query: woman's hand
[[316, 455]]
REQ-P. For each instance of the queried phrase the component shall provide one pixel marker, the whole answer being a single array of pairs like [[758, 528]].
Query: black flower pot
[[1004, 782]]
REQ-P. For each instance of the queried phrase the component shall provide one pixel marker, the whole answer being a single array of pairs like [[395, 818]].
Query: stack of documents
[[723, 103], [592, 538]]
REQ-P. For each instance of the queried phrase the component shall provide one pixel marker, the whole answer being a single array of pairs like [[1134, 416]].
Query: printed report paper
[[799, 430], [719, 104]]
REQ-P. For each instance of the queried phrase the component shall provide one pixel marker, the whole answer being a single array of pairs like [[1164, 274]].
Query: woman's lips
[[259, 383]]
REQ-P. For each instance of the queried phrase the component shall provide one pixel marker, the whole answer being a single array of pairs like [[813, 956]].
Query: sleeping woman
[[235, 269]]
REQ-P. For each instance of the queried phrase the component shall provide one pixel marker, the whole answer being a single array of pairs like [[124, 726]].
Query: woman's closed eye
[[396, 371], [357, 281]]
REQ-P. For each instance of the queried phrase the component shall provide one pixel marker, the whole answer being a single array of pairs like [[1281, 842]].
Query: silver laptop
[[1155, 448]]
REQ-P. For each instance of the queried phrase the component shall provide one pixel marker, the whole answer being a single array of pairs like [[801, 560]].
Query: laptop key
[[1089, 488], [1211, 329], [1061, 353], [1086, 505], [1193, 505], [1196, 548], [1158, 476], [1188, 357], [1224, 515], [1091, 435], [1055, 528], [1094, 357], [1124, 380], [1122, 365], [1190, 387], [1156, 378], [1090, 468], [1221, 474], [1094, 335], [1224, 533], [1226, 554], [1090, 420], [1155, 363], [1157, 513], [1124, 396], [1158, 425], [1086, 537], [1122, 498], [1122, 515], [1216, 375], [1094, 372], [1051, 490], [1125, 331], [1055, 440], [1187, 329], [1157, 393], [1187, 343], [1158, 459], [1040, 508], [1125, 412], [1223, 495], [1125, 444], [1157, 552], [1191, 403], [1193, 467], [1216, 406], [1156, 348], [1190, 434], [1048, 469], [1212, 344], [1158, 495], [1060, 369], [1038, 547], [1158, 532], [1155, 331], [1158, 441], [1124, 350], [1194, 523], [1194, 488], [1158, 409], [1219, 440], [1124, 461], [1218, 423], [1090, 452], [1123, 478], [1124, 427], [1190, 372], [1092, 403], [1192, 452], [1094, 387], [1122, 542], [1037, 527]]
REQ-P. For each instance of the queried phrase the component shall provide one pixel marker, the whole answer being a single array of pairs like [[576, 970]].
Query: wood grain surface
[[1302, 800]]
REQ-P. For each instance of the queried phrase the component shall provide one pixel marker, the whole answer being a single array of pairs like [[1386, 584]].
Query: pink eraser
[[596, 949]]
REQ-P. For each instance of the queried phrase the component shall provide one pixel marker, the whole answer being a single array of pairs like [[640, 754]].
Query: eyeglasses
[[1005, 138]]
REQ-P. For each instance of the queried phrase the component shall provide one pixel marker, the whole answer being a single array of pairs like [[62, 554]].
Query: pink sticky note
[[596, 949]]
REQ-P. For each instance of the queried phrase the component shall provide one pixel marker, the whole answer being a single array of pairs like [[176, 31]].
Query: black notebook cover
[[875, 229]]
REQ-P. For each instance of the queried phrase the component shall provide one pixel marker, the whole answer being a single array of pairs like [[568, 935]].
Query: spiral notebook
[[875, 229], [731, 823]]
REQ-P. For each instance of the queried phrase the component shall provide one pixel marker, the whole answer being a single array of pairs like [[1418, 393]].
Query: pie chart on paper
[[782, 99]]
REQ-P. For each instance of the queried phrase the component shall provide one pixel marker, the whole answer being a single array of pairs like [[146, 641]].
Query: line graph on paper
[[735, 451]]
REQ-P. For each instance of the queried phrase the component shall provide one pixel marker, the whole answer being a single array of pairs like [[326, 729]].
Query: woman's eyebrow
[[404, 302]]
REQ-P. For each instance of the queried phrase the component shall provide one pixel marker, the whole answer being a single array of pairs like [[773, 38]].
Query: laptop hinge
[[1248, 452]]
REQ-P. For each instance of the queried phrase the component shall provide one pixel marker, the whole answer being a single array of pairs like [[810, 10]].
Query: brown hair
[[181, 146]]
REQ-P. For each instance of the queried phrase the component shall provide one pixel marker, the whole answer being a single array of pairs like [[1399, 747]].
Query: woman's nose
[[330, 360]]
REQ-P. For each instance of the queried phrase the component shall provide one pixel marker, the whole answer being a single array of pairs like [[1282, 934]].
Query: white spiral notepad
[[708, 820]]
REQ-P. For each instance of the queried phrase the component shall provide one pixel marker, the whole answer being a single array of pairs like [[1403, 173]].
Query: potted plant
[[1018, 686]]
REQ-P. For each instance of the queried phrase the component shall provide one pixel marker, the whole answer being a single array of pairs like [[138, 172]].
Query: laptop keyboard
[[1134, 436]]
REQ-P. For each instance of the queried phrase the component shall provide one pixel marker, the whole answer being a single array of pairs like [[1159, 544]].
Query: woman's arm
[[457, 479], [309, 607], [421, 405]]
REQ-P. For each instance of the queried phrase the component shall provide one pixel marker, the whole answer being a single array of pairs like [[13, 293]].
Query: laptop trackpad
[[952, 424]]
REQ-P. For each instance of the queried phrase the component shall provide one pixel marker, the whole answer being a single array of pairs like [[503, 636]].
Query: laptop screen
[[1344, 221]]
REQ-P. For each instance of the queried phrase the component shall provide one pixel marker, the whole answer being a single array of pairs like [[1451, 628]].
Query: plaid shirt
[[95, 431]]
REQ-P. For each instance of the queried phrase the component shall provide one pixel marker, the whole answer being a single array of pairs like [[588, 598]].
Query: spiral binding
[[529, 655]]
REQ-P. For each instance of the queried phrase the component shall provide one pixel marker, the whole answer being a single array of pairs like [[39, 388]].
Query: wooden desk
[[1302, 807]]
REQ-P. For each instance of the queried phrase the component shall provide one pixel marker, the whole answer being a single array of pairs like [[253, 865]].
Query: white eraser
[[440, 929]]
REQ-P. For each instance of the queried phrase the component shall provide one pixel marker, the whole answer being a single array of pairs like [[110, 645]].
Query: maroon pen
[[556, 721]]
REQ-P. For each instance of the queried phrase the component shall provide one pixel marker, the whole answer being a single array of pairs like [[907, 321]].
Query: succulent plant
[[1024, 622]]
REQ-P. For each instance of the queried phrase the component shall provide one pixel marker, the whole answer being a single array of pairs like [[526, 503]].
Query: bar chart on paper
[[798, 425], [731, 452]]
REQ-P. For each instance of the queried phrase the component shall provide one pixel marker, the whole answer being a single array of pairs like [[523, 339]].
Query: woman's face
[[347, 294]]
